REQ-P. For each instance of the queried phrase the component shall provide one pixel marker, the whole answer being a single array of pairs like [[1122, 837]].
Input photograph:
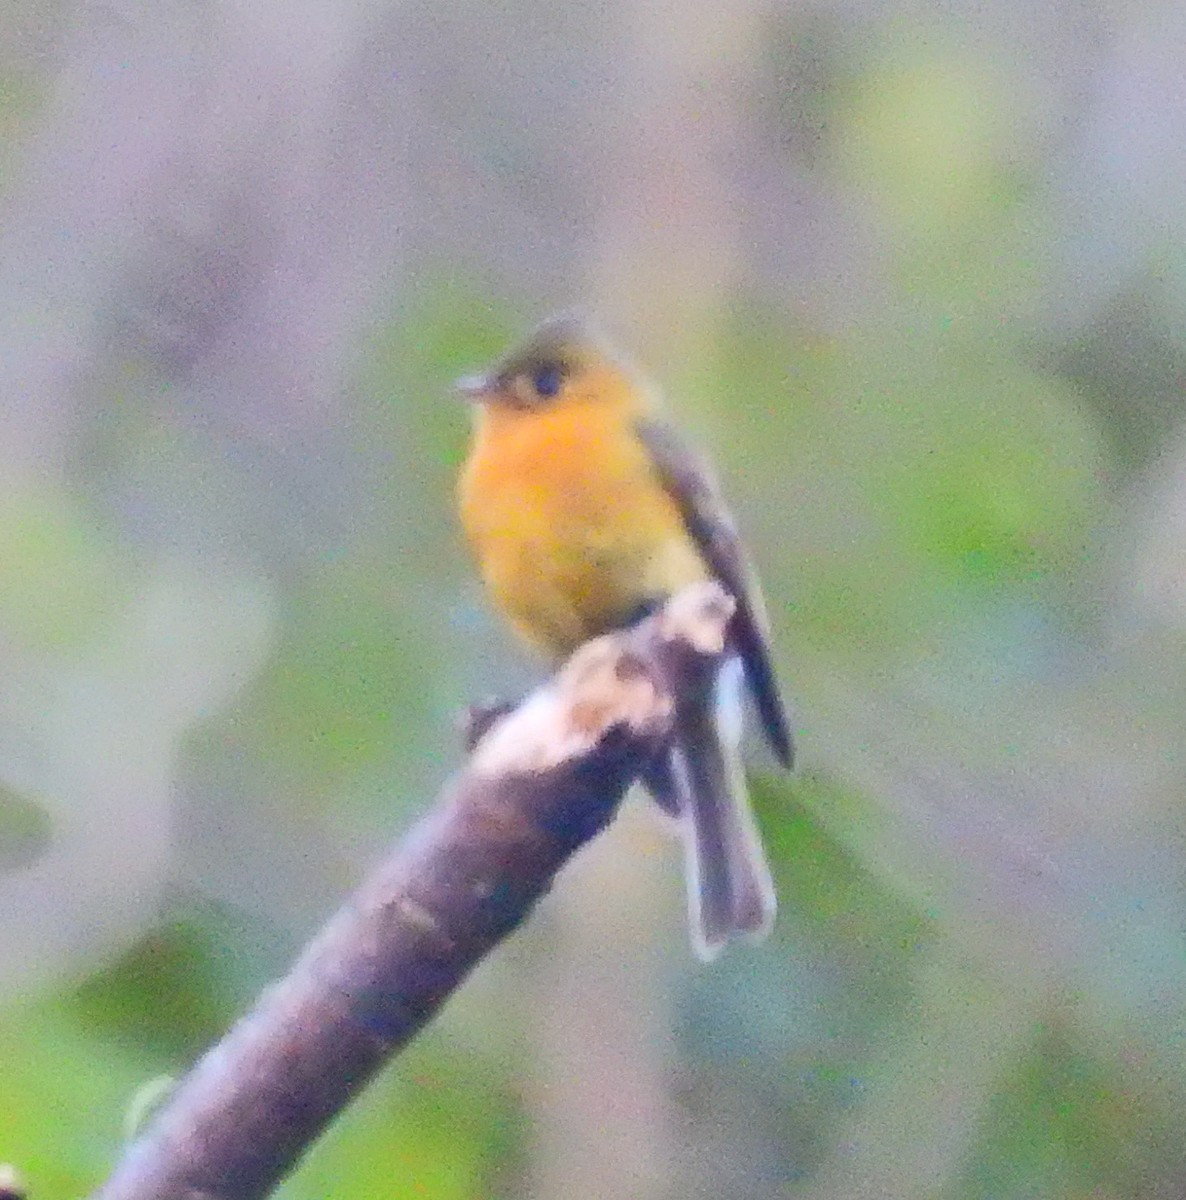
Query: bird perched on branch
[[585, 511]]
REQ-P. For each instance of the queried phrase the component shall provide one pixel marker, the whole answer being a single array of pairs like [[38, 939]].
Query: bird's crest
[[569, 341]]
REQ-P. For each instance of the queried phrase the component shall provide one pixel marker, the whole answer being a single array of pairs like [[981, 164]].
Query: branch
[[540, 782]]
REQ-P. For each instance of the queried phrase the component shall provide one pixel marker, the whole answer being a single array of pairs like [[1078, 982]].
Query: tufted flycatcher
[[585, 510]]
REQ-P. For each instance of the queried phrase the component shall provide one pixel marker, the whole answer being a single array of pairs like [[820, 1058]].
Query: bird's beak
[[475, 387]]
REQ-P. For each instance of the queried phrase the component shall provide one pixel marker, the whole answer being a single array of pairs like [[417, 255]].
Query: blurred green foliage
[[975, 484], [63, 576], [925, 480]]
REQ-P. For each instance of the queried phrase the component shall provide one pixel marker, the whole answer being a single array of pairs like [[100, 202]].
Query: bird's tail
[[730, 892]]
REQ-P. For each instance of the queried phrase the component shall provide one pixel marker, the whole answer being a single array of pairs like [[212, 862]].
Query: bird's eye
[[547, 380]]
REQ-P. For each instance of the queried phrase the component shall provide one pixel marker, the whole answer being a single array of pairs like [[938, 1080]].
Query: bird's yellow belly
[[562, 583], [571, 541]]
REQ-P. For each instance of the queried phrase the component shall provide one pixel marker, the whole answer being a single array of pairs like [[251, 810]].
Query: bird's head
[[562, 363]]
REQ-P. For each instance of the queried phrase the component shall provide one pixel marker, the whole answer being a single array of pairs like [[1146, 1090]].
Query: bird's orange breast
[[570, 523]]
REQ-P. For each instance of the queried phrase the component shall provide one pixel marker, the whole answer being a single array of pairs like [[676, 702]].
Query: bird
[[585, 510]]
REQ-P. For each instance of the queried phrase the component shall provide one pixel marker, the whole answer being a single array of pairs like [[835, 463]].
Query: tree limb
[[540, 782]]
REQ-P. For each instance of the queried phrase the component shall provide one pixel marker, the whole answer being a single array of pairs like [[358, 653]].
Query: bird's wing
[[689, 481]]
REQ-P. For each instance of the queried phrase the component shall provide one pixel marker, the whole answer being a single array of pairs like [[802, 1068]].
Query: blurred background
[[914, 271]]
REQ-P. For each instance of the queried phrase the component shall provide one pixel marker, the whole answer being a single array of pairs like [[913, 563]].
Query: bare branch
[[540, 782]]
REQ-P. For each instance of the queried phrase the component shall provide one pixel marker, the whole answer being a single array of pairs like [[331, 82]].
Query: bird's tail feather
[[730, 892]]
